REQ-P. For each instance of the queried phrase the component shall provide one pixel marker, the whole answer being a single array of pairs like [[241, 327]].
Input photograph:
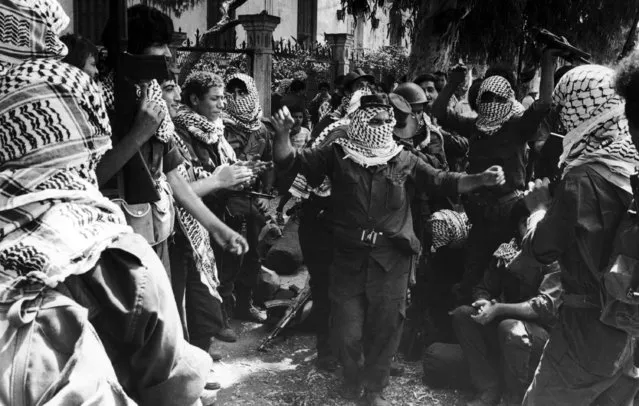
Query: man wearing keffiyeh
[[58, 231], [499, 135], [585, 361], [373, 232]]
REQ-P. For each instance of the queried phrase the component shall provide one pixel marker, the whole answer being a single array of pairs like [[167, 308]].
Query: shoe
[[376, 399], [208, 397], [489, 397], [215, 356], [226, 335], [326, 363], [350, 391], [251, 313], [212, 386]]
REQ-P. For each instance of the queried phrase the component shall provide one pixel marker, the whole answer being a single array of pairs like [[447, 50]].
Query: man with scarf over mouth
[[585, 362], [57, 231], [498, 136], [373, 233]]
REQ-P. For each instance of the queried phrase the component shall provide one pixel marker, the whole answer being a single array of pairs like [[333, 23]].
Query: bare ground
[[286, 374]]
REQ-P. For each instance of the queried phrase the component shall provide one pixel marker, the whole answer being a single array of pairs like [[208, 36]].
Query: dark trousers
[[492, 226], [240, 275], [368, 308], [603, 375], [508, 345], [200, 310], [133, 311], [316, 242]]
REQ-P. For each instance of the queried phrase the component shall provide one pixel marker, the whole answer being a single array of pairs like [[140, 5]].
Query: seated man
[[506, 327]]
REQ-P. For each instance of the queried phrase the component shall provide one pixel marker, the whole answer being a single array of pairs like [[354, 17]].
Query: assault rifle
[[294, 306]]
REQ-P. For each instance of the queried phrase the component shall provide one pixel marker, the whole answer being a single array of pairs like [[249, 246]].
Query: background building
[[301, 20]]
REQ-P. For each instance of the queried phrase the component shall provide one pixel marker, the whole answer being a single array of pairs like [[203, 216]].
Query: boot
[[489, 397], [246, 310], [226, 334], [350, 391]]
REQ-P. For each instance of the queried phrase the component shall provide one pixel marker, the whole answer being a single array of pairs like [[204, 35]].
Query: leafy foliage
[[290, 66], [177, 7], [494, 30], [388, 60]]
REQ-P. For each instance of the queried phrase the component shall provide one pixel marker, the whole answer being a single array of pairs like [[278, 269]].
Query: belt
[[367, 237], [581, 301]]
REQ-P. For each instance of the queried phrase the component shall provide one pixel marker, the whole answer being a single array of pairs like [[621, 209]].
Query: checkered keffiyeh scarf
[[166, 129], [54, 222], [507, 251], [370, 146], [206, 131], [491, 116], [448, 227], [245, 111], [593, 115], [29, 29], [197, 236]]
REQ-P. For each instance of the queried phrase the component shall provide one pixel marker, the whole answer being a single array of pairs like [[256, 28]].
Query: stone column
[[342, 46], [259, 38]]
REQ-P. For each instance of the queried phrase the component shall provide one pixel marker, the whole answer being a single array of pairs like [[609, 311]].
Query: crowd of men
[[141, 204]]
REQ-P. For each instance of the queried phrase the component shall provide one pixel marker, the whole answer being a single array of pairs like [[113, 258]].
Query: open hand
[[233, 176], [282, 121], [538, 195], [493, 176]]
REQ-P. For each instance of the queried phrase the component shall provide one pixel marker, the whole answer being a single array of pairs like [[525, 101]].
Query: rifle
[[134, 181], [294, 306]]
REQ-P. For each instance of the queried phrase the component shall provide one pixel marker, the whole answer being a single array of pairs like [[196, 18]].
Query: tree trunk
[[435, 35]]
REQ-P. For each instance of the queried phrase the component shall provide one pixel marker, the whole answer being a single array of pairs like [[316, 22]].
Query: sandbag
[[285, 256], [444, 366]]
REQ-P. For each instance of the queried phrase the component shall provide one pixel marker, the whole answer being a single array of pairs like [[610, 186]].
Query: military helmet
[[412, 92]]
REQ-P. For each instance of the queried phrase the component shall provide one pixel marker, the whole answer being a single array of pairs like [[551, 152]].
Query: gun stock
[[297, 304]]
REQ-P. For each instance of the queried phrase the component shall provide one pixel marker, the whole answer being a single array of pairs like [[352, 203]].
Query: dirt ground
[[286, 374]]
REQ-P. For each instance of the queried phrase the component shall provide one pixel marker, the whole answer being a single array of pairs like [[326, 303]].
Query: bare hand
[[493, 176], [283, 121], [233, 176], [149, 116], [458, 74], [231, 241], [486, 313], [538, 195]]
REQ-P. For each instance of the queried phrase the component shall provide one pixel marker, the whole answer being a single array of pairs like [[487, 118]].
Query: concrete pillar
[[259, 38], [342, 46]]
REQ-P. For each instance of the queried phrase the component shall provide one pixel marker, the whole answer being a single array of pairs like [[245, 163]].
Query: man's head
[[355, 81], [296, 108], [428, 83], [324, 88], [627, 86], [236, 88], [149, 32], [204, 93], [171, 95], [82, 54], [297, 87], [505, 71], [441, 80]]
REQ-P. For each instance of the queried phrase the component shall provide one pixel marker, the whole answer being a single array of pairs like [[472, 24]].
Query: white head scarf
[[491, 116]]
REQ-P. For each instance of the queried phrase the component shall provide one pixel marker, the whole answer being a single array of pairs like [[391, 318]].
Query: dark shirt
[[507, 147], [523, 279], [373, 198], [161, 157], [578, 230]]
